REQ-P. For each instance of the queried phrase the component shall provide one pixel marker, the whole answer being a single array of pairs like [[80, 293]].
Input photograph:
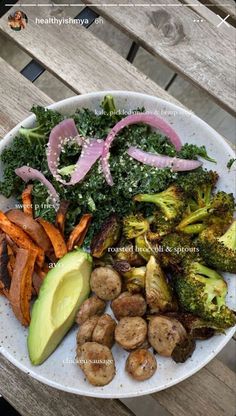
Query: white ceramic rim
[[224, 340]]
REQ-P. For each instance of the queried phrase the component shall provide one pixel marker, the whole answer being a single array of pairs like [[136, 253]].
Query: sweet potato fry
[[21, 284], [20, 237], [38, 278], [5, 278], [78, 234], [55, 237], [30, 226], [27, 200], [61, 216]]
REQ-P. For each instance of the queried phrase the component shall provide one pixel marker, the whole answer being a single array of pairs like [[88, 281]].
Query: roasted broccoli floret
[[171, 201], [198, 185], [107, 236], [202, 291], [135, 225], [159, 227], [221, 206], [219, 252], [159, 293], [176, 247]]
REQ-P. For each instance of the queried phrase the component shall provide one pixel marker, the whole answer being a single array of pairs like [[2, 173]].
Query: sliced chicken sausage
[[104, 331], [131, 332], [97, 363], [85, 331], [91, 306], [141, 364], [164, 333], [128, 305], [106, 283]]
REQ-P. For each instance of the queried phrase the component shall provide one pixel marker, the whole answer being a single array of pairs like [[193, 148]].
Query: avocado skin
[[63, 290]]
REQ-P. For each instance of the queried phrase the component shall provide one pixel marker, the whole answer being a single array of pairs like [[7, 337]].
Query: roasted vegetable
[[219, 252], [171, 201], [202, 292], [61, 216], [159, 227], [27, 200], [221, 205], [107, 236], [159, 294], [183, 350], [196, 327], [78, 234], [125, 251], [5, 279], [175, 248], [134, 225], [21, 285], [198, 186], [55, 237], [122, 266], [135, 279], [145, 248], [20, 237], [30, 227]]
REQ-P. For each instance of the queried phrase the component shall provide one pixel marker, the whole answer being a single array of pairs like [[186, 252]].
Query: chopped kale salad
[[93, 194]]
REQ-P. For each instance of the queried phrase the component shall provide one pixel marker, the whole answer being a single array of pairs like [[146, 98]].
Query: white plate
[[66, 375]]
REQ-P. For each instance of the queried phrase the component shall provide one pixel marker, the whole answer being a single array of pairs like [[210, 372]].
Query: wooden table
[[189, 41]]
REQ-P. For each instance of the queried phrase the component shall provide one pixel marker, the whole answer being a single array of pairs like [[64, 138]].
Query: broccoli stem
[[66, 170], [205, 271], [198, 215], [193, 229], [32, 133], [108, 105], [229, 238]]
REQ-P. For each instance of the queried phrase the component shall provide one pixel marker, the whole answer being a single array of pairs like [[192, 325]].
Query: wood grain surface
[[17, 95], [211, 391], [196, 50], [77, 57], [32, 398], [227, 6]]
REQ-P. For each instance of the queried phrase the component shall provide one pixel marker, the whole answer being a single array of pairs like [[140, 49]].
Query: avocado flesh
[[63, 290]]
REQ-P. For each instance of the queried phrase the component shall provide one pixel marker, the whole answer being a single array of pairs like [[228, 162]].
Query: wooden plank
[[17, 95], [32, 398], [201, 104], [77, 57], [198, 51], [227, 6], [211, 391]]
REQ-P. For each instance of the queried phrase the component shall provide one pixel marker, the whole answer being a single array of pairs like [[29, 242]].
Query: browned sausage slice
[[97, 363], [31, 227], [85, 331], [104, 331], [106, 283], [131, 332], [128, 304], [91, 306], [164, 333], [141, 364]]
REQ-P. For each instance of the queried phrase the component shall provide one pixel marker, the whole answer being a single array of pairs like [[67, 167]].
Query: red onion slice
[[60, 134], [91, 151], [26, 173], [160, 161], [150, 119]]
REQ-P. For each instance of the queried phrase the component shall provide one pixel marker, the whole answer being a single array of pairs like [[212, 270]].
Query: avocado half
[[63, 290]]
